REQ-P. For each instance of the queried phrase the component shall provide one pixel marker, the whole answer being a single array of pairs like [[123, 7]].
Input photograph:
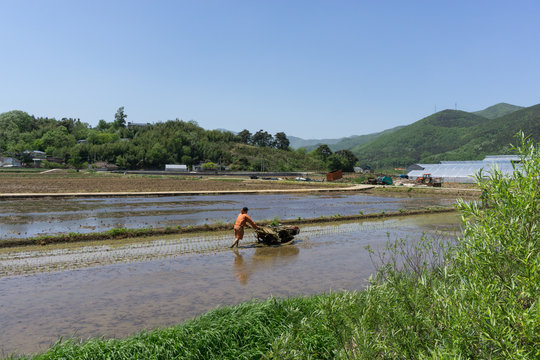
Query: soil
[[88, 183]]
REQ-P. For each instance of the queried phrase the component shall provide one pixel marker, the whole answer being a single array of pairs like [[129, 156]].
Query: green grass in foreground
[[477, 298], [279, 329]]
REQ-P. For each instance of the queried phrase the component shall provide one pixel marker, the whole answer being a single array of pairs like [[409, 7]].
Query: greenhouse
[[464, 171]]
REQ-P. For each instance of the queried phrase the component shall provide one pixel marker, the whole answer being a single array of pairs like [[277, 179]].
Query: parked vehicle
[[428, 180]]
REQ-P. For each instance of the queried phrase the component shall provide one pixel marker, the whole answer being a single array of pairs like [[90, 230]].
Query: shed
[[334, 175]]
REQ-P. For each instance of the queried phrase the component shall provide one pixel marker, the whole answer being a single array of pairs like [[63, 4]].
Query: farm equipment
[[384, 180], [275, 235], [428, 180], [381, 180]]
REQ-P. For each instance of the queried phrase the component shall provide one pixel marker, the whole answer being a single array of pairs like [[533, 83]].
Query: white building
[[174, 167], [464, 171]]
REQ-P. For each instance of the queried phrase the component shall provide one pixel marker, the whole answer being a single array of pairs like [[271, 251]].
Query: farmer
[[241, 221]]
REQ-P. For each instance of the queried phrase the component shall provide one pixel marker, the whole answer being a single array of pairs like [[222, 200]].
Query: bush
[[481, 300], [209, 166]]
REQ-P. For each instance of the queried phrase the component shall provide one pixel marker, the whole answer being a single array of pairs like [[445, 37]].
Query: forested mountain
[[498, 110], [355, 141], [493, 137], [449, 135]]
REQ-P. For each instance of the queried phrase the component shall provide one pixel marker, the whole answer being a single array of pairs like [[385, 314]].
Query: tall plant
[[497, 262]]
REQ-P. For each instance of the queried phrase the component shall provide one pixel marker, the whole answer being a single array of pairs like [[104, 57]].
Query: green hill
[[70, 142], [434, 134], [498, 110], [494, 137], [449, 135]]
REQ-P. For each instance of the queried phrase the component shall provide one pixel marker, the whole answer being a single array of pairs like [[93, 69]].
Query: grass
[[296, 328]]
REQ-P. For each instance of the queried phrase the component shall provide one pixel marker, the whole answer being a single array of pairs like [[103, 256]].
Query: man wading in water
[[241, 221]]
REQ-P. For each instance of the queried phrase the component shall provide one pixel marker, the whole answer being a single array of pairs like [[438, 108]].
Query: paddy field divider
[[124, 233]]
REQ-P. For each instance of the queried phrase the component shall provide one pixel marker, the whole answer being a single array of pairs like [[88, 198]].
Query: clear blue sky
[[314, 69]]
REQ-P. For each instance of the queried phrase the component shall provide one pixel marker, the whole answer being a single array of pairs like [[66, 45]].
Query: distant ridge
[[350, 142], [296, 142], [498, 110], [450, 135]]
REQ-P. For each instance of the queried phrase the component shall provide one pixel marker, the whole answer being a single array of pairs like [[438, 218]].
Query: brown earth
[[88, 183]]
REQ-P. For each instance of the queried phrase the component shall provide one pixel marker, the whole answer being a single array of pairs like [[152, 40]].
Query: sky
[[310, 68]]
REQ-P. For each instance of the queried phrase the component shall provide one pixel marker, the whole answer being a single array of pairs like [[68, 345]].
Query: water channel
[[100, 290], [21, 218]]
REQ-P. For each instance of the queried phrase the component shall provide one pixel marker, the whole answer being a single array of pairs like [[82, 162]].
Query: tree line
[[70, 142]]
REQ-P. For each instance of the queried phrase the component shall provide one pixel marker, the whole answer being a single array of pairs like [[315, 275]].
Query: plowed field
[[85, 183]]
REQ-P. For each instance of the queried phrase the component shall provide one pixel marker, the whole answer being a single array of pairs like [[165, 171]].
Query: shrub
[[209, 166], [480, 299]]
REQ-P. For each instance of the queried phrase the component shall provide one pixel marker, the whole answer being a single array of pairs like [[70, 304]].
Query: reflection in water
[[262, 259]]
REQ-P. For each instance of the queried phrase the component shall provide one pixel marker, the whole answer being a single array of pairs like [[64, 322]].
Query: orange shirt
[[242, 219]]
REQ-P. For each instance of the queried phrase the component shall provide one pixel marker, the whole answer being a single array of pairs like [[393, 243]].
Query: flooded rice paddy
[[22, 218], [98, 289]]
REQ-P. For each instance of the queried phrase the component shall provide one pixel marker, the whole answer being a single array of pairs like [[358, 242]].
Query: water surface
[[20, 218], [92, 297]]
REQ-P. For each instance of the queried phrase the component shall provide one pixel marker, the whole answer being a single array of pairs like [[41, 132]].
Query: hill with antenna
[[450, 135]]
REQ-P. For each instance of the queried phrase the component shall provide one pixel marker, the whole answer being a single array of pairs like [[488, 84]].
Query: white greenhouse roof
[[464, 171]]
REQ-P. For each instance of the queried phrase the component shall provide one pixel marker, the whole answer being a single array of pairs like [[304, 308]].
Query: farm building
[[464, 171], [174, 167]]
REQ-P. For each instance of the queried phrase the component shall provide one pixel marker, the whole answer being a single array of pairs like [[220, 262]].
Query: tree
[[334, 162], [245, 136], [263, 139], [347, 158], [209, 166], [281, 141], [121, 162], [343, 159], [76, 160], [120, 118], [157, 156], [323, 152], [103, 125]]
